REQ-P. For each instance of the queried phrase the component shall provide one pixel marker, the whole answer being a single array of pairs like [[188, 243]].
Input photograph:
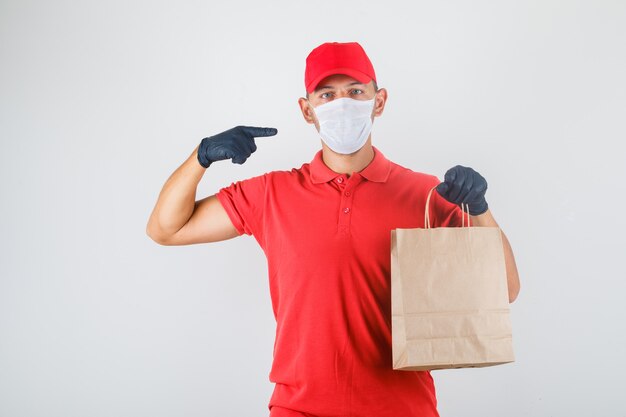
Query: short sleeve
[[244, 202], [447, 214]]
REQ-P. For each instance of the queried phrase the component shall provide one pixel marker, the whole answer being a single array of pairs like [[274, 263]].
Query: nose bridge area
[[343, 92]]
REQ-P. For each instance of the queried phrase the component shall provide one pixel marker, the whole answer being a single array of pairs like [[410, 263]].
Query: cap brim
[[357, 75]]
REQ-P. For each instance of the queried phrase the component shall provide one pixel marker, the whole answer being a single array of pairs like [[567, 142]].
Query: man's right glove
[[236, 144]]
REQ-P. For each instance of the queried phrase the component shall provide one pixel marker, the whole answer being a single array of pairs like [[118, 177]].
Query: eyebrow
[[331, 87]]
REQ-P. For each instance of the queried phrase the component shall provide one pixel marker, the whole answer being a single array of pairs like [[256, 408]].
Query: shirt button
[[340, 180], [347, 193], [346, 210]]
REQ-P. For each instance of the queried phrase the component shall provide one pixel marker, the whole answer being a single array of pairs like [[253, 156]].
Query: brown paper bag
[[449, 298]]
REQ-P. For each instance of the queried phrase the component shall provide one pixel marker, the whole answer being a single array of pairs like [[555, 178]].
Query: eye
[[356, 91], [325, 95]]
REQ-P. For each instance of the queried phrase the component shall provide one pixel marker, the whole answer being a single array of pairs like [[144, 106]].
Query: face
[[339, 86]]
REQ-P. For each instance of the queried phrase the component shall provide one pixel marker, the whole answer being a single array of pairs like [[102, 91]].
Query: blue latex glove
[[464, 185], [236, 144]]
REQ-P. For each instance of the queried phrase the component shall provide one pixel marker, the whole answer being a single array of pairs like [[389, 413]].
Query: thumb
[[442, 188]]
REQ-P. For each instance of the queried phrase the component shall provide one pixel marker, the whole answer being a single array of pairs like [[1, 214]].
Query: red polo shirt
[[327, 241]]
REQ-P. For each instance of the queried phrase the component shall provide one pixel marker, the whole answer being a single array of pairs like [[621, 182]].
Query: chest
[[335, 221]]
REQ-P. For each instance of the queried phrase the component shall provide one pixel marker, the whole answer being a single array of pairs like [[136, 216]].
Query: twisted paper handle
[[464, 209]]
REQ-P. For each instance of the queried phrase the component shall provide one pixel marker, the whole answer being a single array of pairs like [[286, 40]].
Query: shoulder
[[288, 175], [400, 173], [272, 178]]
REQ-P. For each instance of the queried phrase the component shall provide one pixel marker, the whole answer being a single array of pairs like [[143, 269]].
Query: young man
[[325, 229]]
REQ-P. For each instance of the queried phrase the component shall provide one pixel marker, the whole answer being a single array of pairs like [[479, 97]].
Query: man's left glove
[[464, 185]]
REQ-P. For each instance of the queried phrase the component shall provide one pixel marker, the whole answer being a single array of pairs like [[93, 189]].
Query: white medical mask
[[345, 123]]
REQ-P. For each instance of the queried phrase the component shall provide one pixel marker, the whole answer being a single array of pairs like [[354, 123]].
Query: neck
[[347, 164]]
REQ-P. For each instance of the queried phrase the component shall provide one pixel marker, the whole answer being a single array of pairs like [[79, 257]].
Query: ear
[[305, 108], [379, 104]]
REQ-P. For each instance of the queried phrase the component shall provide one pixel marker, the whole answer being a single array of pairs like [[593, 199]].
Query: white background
[[101, 101]]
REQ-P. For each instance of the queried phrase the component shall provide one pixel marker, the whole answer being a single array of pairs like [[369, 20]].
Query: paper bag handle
[[464, 209]]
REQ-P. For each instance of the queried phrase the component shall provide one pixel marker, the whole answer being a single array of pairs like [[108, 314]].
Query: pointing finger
[[258, 132]]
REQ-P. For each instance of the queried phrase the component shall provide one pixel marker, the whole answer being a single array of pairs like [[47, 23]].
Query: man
[[325, 229]]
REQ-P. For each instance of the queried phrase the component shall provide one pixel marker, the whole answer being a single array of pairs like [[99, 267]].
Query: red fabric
[[276, 411], [327, 240], [337, 58]]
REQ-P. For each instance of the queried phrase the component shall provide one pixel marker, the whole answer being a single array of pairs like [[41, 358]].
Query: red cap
[[337, 58]]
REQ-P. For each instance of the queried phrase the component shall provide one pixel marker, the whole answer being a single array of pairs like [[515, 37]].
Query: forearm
[[177, 199], [487, 220]]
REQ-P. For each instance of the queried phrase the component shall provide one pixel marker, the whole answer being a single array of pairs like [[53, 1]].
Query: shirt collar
[[377, 170]]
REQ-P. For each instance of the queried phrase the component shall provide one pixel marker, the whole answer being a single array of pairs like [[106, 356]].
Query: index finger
[[259, 131]]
